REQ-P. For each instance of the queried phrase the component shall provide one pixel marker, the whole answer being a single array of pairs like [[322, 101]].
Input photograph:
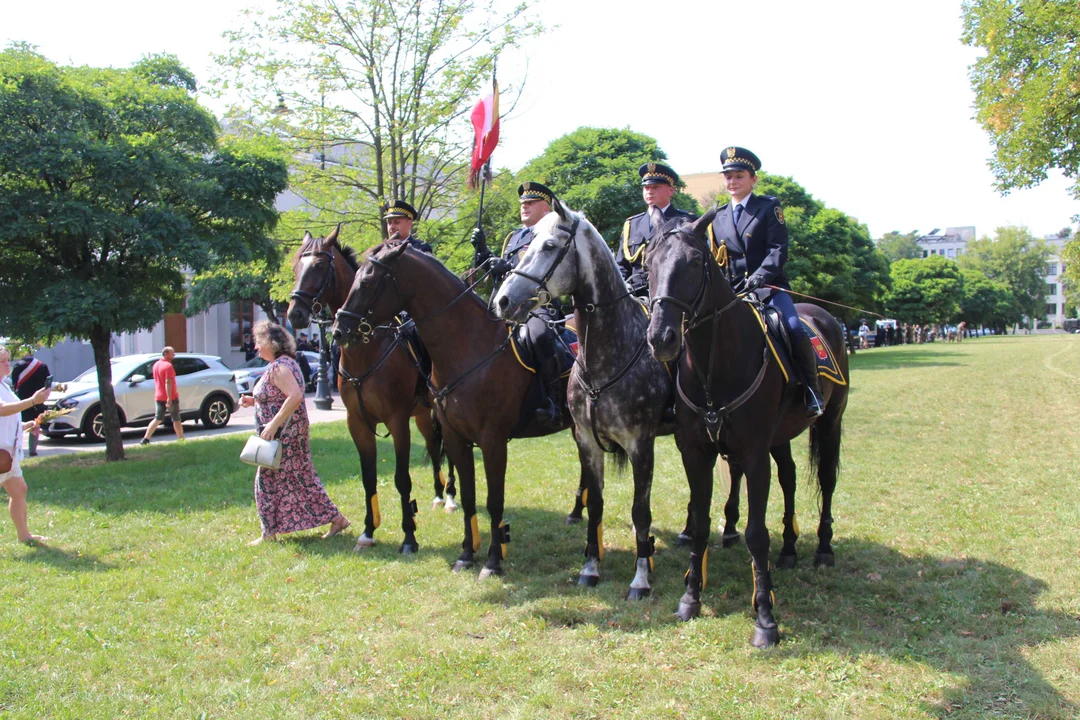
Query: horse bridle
[[541, 283], [363, 326], [312, 299]]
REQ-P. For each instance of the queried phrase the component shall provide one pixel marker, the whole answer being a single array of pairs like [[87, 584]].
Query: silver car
[[206, 385], [249, 373]]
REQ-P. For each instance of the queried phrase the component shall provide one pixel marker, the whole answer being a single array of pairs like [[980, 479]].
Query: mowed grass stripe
[[955, 592]]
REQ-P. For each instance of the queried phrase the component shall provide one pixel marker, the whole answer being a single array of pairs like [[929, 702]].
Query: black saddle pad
[[772, 321]]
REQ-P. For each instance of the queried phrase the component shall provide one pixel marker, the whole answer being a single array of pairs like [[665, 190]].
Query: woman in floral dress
[[291, 498]]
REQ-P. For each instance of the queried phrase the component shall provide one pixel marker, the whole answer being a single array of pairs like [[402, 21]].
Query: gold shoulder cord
[[719, 251], [506, 241], [626, 247]]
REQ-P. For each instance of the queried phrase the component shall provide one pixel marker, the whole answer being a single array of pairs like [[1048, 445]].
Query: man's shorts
[[173, 408]]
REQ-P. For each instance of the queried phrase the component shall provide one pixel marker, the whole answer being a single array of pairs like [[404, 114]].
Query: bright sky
[[866, 104]]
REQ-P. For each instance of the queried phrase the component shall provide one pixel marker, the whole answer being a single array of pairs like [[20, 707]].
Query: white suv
[[206, 385]]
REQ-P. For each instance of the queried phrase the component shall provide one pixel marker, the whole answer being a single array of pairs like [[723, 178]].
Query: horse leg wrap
[[376, 516], [646, 550], [474, 533], [502, 537], [763, 581], [415, 512], [701, 564]]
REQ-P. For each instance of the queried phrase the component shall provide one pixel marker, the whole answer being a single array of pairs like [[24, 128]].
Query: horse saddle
[[779, 341], [528, 354]]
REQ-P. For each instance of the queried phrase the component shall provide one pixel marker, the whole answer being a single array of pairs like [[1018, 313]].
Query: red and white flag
[[485, 120]]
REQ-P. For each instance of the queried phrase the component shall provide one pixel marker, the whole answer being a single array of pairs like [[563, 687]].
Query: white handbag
[[264, 453]]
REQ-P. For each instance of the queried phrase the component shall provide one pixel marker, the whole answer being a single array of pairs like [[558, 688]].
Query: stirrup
[[815, 408]]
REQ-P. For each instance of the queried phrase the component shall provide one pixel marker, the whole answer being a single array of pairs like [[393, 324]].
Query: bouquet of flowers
[[49, 415]]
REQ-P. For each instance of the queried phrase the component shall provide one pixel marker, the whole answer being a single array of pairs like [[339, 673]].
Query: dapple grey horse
[[617, 391]]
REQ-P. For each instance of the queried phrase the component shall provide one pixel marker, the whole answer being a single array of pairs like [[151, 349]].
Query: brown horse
[[734, 399], [480, 386], [379, 383]]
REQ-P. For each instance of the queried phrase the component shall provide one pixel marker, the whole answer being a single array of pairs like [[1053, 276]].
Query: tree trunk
[[114, 445]]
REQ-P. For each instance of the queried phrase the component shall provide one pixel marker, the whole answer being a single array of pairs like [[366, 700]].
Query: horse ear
[[702, 223], [561, 209], [333, 236], [307, 236], [395, 250]]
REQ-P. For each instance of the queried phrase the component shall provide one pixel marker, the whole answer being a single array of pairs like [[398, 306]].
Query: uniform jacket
[[420, 245], [26, 387], [630, 254], [758, 246]]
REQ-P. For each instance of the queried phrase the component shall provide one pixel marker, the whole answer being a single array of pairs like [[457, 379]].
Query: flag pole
[[484, 172]]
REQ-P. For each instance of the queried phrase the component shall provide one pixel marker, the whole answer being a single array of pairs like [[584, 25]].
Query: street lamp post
[[323, 399]]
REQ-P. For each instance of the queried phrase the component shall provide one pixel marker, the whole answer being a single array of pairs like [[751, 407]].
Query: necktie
[[738, 214], [656, 217]]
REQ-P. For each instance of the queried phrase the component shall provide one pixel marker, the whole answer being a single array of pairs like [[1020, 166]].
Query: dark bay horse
[[479, 385], [378, 382], [734, 399], [617, 390]]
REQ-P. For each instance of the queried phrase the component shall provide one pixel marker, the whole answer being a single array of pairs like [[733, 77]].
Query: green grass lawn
[[955, 592]]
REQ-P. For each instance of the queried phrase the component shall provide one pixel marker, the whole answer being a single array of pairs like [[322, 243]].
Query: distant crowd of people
[[888, 334]]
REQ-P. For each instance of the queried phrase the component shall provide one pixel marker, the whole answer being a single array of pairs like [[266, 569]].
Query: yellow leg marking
[[600, 541], [375, 514], [585, 496], [502, 546], [442, 478], [652, 567], [475, 531], [704, 568], [795, 523]]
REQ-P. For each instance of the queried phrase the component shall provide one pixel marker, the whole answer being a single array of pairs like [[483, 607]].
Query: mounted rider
[[657, 188], [750, 241], [400, 217], [536, 201]]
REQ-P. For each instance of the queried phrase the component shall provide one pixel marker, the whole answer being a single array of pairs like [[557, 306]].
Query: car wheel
[[94, 425], [216, 411]]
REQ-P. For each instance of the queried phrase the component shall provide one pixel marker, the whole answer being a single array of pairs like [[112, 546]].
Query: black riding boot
[[806, 359], [550, 411]]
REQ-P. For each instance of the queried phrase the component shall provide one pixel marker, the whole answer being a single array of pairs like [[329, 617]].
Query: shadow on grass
[[974, 618], [46, 554]]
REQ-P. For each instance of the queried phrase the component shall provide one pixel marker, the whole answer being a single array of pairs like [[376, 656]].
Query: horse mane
[[390, 245]]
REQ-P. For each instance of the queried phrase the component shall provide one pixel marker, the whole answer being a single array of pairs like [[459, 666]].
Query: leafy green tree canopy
[[896, 246], [925, 291], [375, 96], [1027, 93], [112, 184], [985, 302], [1016, 259]]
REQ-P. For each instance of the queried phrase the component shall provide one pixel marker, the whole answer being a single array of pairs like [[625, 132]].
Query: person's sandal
[[336, 527]]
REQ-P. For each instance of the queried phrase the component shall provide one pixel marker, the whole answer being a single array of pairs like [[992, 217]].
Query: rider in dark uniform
[[754, 237], [536, 201], [657, 188], [400, 217]]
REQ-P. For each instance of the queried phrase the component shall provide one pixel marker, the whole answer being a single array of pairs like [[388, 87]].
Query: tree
[[112, 185], [593, 170], [985, 302], [928, 290], [1070, 277], [374, 94], [1018, 260], [1026, 92], [899, 247]]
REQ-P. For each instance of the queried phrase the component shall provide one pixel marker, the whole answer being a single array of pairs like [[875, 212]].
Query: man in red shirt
[[167, 396]]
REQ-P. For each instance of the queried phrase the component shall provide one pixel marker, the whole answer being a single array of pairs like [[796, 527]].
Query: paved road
[[243, 421]]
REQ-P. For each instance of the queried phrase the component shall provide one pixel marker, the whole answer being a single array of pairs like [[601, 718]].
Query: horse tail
[[825, 441], [437, 438], [621, 459]]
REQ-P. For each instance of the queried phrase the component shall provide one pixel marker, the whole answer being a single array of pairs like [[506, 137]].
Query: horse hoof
[[451, 506], [461, 565], [787, 562], [638, 593], [437, 503], [486, 572], [364, 542], [588, 580], [824, 559], [408, 549], [765, 637], [572, 519], [683, 540], [730, 540], [688, 609]]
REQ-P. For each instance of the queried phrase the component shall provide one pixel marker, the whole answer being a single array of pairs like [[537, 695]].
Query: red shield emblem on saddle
[[819, 347]]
